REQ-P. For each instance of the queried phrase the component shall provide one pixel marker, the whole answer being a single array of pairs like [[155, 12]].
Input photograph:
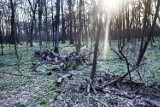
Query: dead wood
[[126, 95], [16, 74], [89, 94], [152, 103], [120, 78], [64, 61], [60, 79], [104, 104], [10, 65], [119, 55]]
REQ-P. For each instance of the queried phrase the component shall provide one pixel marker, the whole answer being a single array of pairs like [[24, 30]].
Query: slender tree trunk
[[40, 11], [46, 24], [75, 29], [57, 26], [142, 52], [1, 40], [99, 27], [13, 29], [33, 22], [70, 22], [53, 26], [32, 26], [63, 23], [80, 28], [144, 48], [1, 37]]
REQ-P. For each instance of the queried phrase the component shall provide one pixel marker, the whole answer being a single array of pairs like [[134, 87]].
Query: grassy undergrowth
[[44, 91]]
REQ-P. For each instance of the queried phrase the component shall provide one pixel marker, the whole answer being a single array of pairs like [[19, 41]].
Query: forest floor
[[38, 89]]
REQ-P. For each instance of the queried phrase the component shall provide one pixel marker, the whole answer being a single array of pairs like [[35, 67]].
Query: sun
[[108, 6], [111, 4]]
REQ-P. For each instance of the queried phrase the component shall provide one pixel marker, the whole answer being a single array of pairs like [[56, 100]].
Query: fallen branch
[[89, 94], [60, 79], [125, 95], [120, 57], [15, 74], [15, 64], [64, 62], [40, 64], [99, 101], [152, 103], [122, 77]]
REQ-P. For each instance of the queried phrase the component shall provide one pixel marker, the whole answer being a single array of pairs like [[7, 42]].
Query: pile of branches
[[63, 62], [140, 94]]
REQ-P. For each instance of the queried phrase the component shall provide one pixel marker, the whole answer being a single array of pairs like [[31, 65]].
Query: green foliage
[[52, 90], [40, 93], [18, 82], [75, 95], [72, 66], [19, 104], [47, 90], [43, 101], [55, 94], [51, 87], [80, 68]]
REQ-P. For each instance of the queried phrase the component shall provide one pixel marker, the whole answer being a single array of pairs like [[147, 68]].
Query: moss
[[43, 101], [51, 87], [19, 104], [55, 94]]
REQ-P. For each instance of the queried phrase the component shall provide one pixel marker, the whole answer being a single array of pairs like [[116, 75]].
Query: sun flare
[[111, 4]]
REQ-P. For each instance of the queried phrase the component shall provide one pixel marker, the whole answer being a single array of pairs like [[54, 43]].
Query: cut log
[[61, 79]]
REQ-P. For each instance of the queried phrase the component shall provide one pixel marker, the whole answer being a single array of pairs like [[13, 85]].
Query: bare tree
[[1, 37], [33, 20], [99, 28], [40, 12], [57, 26], [63, 22], [70, 22], [13, 27]]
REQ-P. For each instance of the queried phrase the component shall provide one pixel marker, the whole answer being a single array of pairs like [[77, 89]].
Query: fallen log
[[104, 104], [63, 61], [118, 79], [61, 79], [152, 102]]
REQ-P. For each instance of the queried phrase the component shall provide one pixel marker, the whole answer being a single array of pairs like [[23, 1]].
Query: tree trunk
[[53, 26], [13, 29], [46, 23], [142, 52], [1, 40], [79, 33], [99, 27], [40, 12], [31, 34], [70, 22], [33, 9], [57, 26], [63, 24]]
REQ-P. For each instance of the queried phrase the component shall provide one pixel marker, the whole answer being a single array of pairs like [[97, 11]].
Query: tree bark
[[40, 12], [141, 54], [13, 29], [63, 23], [99, 27], [57, 26], [70, 22]]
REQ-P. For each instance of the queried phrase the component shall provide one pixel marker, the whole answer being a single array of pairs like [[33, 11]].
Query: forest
[[79, 53]]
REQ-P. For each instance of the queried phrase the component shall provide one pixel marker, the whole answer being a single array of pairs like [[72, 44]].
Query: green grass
[[115, 66], [47, 89]]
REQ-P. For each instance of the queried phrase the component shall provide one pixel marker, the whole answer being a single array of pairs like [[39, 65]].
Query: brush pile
[[61, 62]]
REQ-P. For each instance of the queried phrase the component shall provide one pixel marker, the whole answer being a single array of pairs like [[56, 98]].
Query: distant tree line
[[51, 21]]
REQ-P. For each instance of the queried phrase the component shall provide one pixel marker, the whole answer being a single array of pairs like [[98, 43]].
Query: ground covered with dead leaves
[[69, 84]]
